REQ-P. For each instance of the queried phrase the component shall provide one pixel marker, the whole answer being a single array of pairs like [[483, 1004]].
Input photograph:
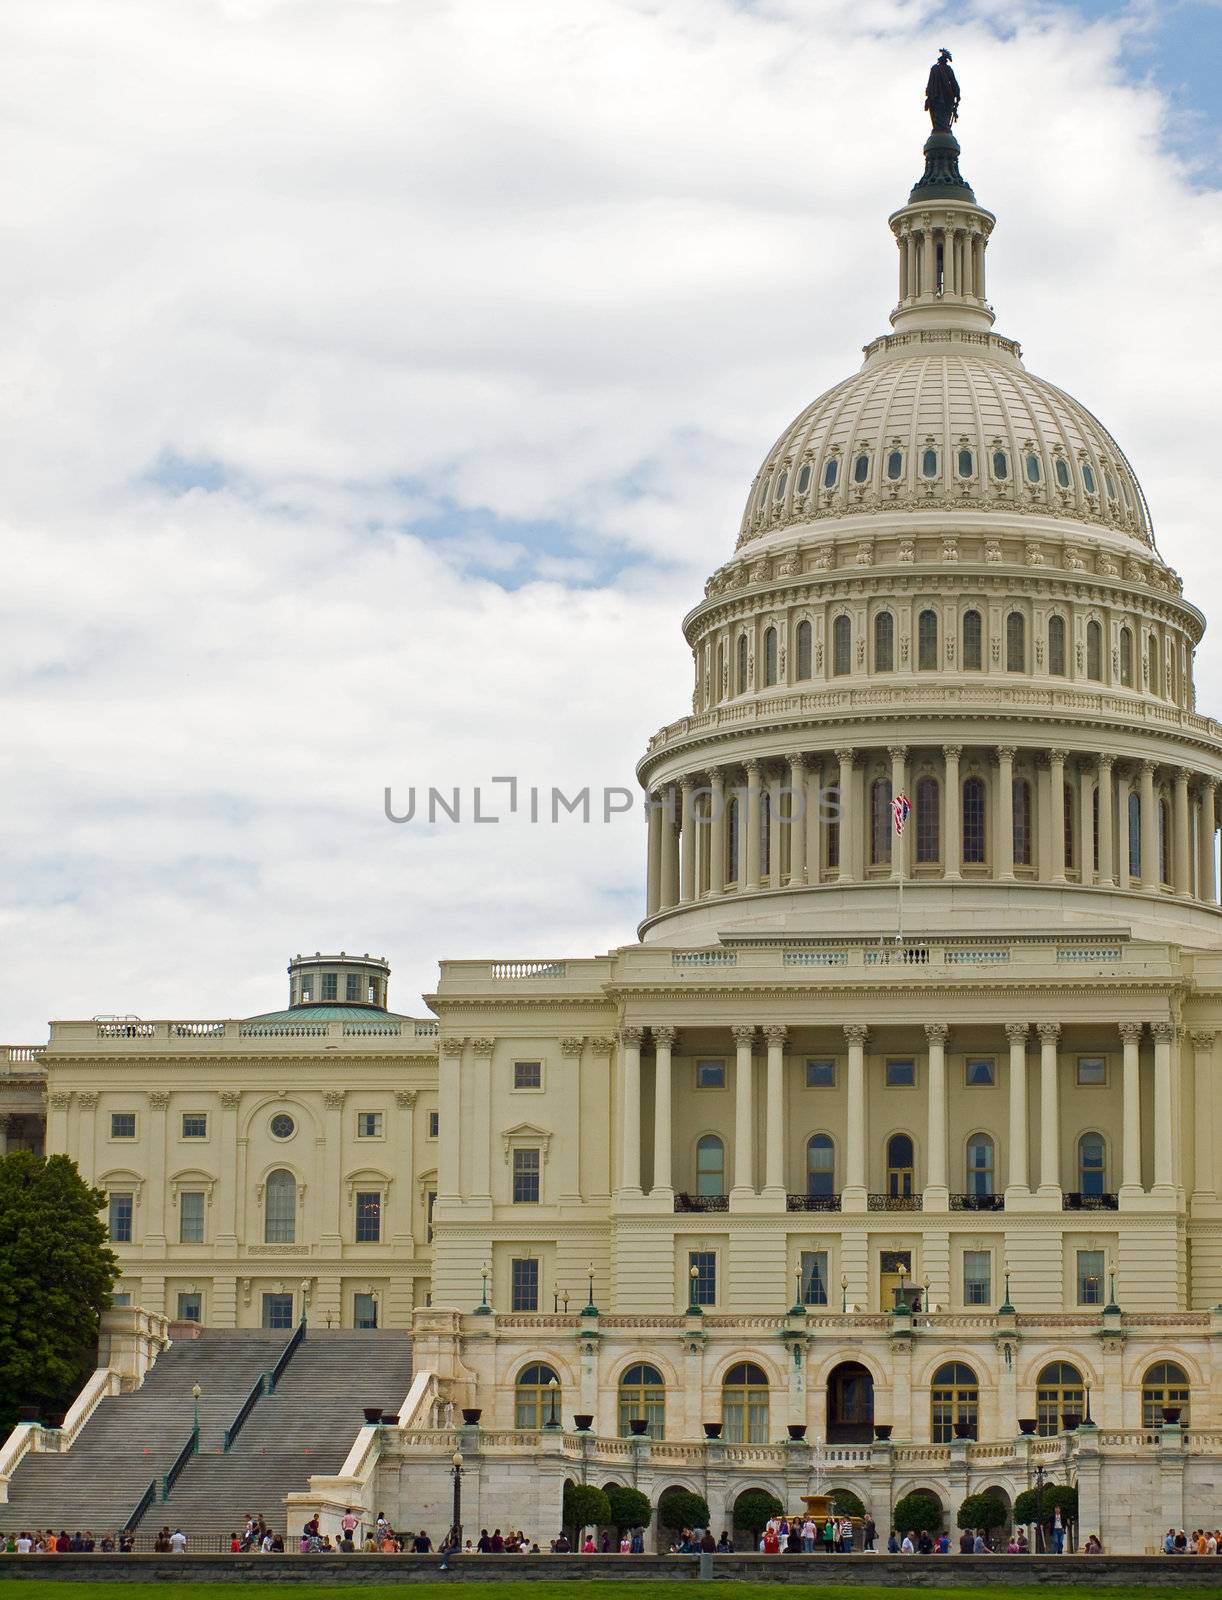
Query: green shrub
[[1052, 1496], [918, 1512], [629, 1507], [680, 1508], [753, 1508], [846, 1504], [985, 1511], [585, 1506]]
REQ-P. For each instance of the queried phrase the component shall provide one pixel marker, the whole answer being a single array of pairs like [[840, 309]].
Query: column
[[752, 802], [1019, 1175], [936, 1192], [744, 1117], [952, 846], [331, 1236], [1107, 802], [1180, 836], [1086, 823], [774, 1115], [776, 782], [687, 843], [663, 1041], [814, 820], [1164, 1034], [405, 1100], [58, 1102], [670, 849], [6, 1122], [1205, 1180], [717, 831], [1050, 1108], [155, 1135], [87, 1134], [1005, 813], [798, 806], [1149, 830], [845, 792], [630, 1110], [449, 1117], [1056, 778], [855, 1034], [899, 785], [653, 883], [1130, 1148], [480, 1119], [1206, 876]]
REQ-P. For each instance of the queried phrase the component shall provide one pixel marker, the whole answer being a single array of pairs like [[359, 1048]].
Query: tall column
[[744, 1118], [899, 785], [774, 1114], [405, 1101], [1004, 852], [630, 1110], [479, 1119], [87, 1134], [669, 849], [1180, 840], [936, 1196], [687, 842], [752, 801], [717, 831], [1019, 1175], [1205, 1182], [1149, 830], [1164, 1035], [814, 820], [776, 783], [1130, 1148], [845, 792], [1206, 877], [1086, 823], [653, 890], [798, 805], [1056, 778], [331, 1233], [952, 846], [1107, 848], [58, 1103], [853, 1196], [663, 1040], [155, 1212], [449, 1117], [1050, 1110]]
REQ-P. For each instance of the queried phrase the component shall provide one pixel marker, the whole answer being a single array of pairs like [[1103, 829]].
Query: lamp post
[[903, 1296], [844, 1293], [692, 1308], [196, 1392], [925, 1302], [1039, 1507], [553, 1390], [590, 1306], [456, 1474]]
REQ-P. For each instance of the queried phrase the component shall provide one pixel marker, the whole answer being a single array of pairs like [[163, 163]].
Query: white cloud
[[541, 283]]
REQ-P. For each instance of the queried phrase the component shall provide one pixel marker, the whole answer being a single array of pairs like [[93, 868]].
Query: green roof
[[328, 1013]]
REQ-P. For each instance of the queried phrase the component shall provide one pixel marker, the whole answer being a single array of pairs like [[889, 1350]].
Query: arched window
[[927, 641], [805, 654], [1067, 806], [1094, 652], [895, 464], [1022, 823], [742, 664], [719, 687], [980, 1164], [1062, 471], [744, 1404], [762, 496], [1164, 842], [974, 820], [831, 830], [804, 478], [929, 463], [1152, 671], [954, 1398], [884, 642], [1058, 1390], [820, 1165], [1126, 657], [280, 1208], [732, 841], [1134, 834], [973, 654], [1001, 465], [1171, 675], [1016, 642], [642, 1393], [1088, 479], [928, 821], [1165, 1384], [880, 822], [782, 480], [766, 861], [1056, 646], [710, 1165], [770, 657], [967, 463], [1032, 464], [1092, 1171], [831, 472], [536, 1404], [861, 468], [1094, 826], [842, 646], [899, 1165]]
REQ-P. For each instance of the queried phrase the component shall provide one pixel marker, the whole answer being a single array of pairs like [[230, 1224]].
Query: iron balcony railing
[[812, 1202], [1074, 1201], [977, 1202], [702, 1202], [894, 1202]]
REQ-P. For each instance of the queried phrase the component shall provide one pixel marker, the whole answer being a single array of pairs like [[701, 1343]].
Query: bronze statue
[[942, 93]]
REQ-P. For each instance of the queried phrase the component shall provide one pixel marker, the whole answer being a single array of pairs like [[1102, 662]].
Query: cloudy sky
[[382, 378]]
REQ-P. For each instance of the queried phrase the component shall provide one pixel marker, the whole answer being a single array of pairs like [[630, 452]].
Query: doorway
[[895, 1275], [850, 1404]]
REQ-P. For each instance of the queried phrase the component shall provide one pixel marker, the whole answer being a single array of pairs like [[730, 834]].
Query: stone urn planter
[[882, 1431], [1028, 1425], [638, 1425], [797, 1431], [965, 1430], [27, 1414], [390, 1419], [471, 1415], [1172, 1413], [583, 1421], [1070, 1420], [373, 1413], [712, 1430]]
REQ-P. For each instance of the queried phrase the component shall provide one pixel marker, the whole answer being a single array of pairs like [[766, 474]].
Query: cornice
[[1172, 989], [223, 1063]]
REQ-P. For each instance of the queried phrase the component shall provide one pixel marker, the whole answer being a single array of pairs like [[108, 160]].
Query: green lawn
[[608, 1589]]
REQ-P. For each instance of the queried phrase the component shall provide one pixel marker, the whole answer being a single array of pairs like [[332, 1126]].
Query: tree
[[629, 1507], [680, 1508], [986, 1511], [846, 1504], [585, 1506], [1049, 1498], [753, 1508], [919, 1512], [56, 1277]]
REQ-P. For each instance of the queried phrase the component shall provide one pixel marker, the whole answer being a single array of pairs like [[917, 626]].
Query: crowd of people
[[50, 1543], [1200, 1542]]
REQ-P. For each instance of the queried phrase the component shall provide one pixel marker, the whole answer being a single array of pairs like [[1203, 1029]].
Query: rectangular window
[[821, 1074], [368, 1216], [702, 1287], [526, 1168], [371, 991], [901, 1074], [352, 986], [980, 1071], [524, 1285], [528, 1074], [1090, 1277], [1092, 1070], [120, 1299], [430, 1200], [191, 1307], [191, 1217], [369, 1124], [364, 1311], [977, 1278], [330, 985], [120, 1223], [122, 1124], [277, 1311], [710, 1074], [434, 1123], [307, 990], [195, 1125], [814, 1277]]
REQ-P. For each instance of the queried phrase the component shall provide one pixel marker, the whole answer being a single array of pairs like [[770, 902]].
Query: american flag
[[901, 809]]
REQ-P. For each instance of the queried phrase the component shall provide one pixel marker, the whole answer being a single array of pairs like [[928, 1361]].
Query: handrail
[[142, 1505], [259, 1387], [184, 1455], [286, 1355]]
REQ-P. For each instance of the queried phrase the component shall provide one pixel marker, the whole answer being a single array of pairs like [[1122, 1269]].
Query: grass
[[607, 1589]]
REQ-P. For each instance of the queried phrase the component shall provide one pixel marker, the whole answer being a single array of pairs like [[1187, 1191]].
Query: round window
[[283, 1126]]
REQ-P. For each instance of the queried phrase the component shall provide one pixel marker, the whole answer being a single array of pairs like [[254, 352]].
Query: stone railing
[[16, 1055], [237, 1036]]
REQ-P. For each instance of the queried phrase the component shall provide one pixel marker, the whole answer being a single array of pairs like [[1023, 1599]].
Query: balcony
[[812, 1202], [702, 1202], [894, 1202], [1072, 1201], [977, 1202]]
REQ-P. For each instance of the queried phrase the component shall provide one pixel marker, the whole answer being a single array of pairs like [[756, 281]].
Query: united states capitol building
[[775, 1196]]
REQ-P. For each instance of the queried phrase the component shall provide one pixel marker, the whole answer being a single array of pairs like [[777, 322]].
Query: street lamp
[[456, 1474], [844, 1293], [196, 1392], [553, 1391], [693, 1309], [1039, 1507], [590, 1277]]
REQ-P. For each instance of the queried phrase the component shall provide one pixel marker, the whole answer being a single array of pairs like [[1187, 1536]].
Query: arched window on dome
[[1164, 1384], [781, 484], [861, 467], [1022, 823], [929, 462], [1069, 830], [928, 821], [1016, 642], [1126, 657], [1032, 465], [1172, 690], [1109, 484], [820, 1165], [831, 472], [927, 641], [966, 462], [1134, 834], [1094, 652], [1056, 646], [884, 642], [975, 818], [954, 1398], [895, 465], [761, 498], [732, 841], [741, 673], [766, 831], [1062, 472], [973, 642], [280, 1208], [1152, 664], [880, 822], [1164, 842], [770, 657], [1088, 478], [831, 828], [1094, 824], [804, 478], [842, 647], [980, 1164], [1001, 465], [805, 654], [719, 686]]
